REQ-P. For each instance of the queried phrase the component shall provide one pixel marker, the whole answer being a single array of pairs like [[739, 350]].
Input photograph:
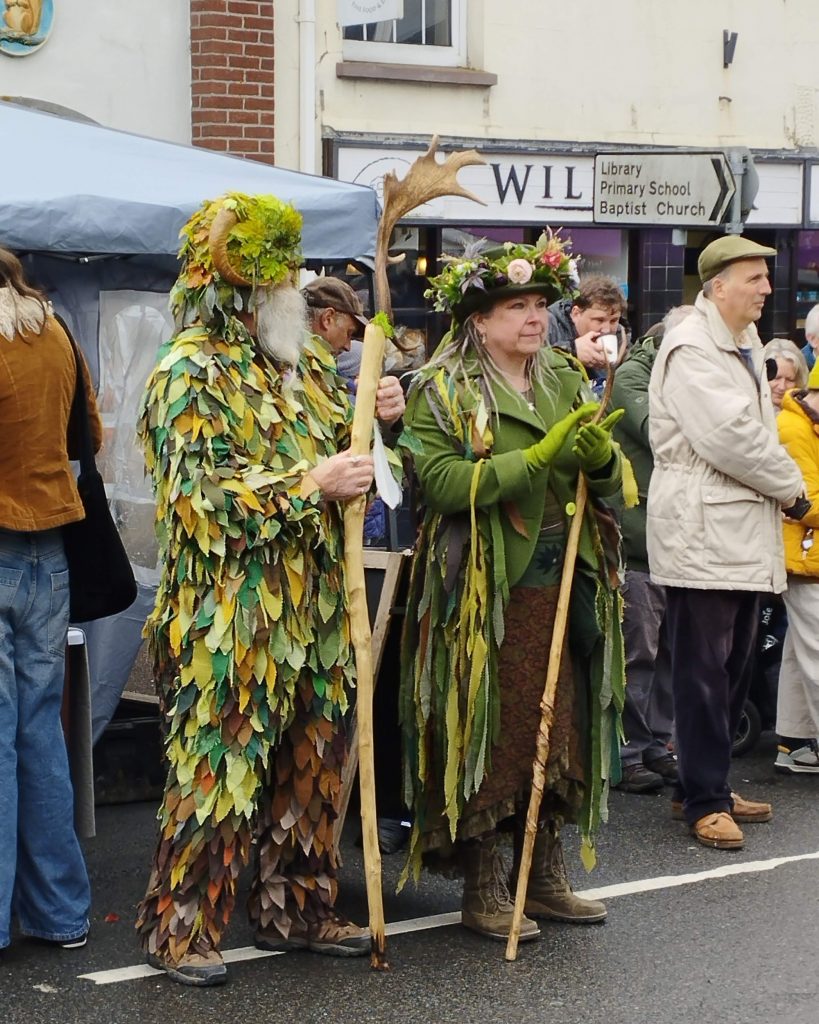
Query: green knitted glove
[[592, 442], [540, 454]]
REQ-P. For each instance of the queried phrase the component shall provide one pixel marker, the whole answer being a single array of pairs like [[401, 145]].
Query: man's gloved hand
[[540, 454], [799, 509], [592, 443]]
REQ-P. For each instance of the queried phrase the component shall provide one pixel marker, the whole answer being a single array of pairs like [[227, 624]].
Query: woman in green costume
[[501, 427]]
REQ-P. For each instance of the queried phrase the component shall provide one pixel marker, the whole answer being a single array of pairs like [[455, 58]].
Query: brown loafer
[[718, 830], [746, 812], [750, 812]]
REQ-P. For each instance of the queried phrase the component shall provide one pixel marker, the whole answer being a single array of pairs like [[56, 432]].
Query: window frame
[[453, 56]]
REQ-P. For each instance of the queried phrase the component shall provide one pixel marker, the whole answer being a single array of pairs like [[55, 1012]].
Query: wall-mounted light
[[421, 266], [729, 44]]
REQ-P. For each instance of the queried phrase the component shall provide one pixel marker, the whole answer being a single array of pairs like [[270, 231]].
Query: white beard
[[281, 323]]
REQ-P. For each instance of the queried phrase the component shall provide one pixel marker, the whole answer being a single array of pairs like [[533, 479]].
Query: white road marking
[[418, 924], [749, 867], [230, 956]]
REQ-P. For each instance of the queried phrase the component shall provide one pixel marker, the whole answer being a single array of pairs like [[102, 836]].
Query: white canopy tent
[[96, 214], [73, 187]]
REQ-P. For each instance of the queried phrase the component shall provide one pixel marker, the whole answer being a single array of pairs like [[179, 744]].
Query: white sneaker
[[803, 759]]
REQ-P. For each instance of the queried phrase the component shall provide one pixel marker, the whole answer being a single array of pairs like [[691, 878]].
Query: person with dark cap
[[336, 317], [720, 483]]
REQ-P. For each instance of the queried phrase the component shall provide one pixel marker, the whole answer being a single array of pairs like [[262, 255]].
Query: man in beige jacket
[[714, 531]]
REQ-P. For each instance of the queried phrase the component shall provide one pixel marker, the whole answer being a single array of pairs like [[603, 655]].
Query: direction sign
[[679, 189]]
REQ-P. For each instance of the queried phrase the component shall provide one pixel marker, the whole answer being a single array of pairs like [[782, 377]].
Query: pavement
[[694, 936]]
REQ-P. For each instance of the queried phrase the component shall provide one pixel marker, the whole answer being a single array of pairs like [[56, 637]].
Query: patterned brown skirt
[[522, 663]]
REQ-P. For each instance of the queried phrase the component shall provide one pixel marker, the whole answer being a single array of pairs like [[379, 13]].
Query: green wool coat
[[506, 482], [630, 392]]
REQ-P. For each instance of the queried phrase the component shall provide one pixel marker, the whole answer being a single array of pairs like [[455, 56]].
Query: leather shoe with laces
[[638, 779], [666, 768], [333, 936], [199, 969]]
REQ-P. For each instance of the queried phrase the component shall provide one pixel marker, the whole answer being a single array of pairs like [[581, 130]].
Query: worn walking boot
[[549, 894], [487, 906], [332, 936], [199, 969]]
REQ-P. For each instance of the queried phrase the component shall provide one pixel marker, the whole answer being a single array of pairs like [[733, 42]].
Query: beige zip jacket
[[720, 475]]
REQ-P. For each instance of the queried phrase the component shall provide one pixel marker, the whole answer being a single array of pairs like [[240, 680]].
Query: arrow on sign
[[726, 190]]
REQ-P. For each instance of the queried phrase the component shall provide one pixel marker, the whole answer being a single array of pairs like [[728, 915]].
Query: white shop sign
[[779, 199], [555, 189], [526, 188], [813, 207]]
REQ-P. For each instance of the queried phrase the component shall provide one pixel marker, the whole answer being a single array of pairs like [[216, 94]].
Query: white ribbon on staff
[[389, 490]]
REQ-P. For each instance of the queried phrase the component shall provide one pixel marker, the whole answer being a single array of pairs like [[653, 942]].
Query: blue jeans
[[43, 879]]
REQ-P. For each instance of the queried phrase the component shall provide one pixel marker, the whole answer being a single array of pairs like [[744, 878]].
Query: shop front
[[526, 187]]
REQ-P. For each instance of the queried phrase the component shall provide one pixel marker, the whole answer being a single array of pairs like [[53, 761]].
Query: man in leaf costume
[[244, 426], [499, 420]]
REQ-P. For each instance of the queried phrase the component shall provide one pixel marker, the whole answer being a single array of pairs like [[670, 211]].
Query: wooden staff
[[547, 703], [372, 359], [425, 180]]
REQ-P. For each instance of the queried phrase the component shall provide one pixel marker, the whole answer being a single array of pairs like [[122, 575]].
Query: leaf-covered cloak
[[458, 593]]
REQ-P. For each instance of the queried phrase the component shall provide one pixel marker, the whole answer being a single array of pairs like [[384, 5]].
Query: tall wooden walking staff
[[425, 180], [547, 703]]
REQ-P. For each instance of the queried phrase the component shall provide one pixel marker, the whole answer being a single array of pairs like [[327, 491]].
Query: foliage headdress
[[230, 246]]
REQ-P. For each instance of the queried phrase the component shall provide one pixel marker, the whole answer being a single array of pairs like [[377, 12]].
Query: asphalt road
[[736, 949]]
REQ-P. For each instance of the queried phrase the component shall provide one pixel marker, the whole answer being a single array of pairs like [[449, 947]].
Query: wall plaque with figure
[[24, 26]]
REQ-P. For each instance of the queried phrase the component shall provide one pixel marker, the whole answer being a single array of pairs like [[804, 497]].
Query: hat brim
[[477, 300]]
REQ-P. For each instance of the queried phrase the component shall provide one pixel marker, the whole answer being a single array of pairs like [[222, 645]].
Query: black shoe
[[77, 943], [638, 779], [393, 835], [666, 768]]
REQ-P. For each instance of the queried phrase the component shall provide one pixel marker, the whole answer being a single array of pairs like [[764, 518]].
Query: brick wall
[[232, 55]]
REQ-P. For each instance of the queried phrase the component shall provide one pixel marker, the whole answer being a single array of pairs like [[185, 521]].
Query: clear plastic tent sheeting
[[133, 325]]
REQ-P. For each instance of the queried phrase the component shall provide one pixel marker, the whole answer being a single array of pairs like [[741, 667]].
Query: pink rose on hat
[[519, 271], [551, 259]]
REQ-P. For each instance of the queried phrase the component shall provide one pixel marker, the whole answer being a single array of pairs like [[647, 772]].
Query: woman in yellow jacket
[[797, 714]]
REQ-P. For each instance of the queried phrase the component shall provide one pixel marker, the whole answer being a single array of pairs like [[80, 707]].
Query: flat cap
[[333, 293], [728, 249]]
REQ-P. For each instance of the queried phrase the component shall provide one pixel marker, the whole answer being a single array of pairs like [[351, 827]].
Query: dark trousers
[[647, 714], [712, 637]]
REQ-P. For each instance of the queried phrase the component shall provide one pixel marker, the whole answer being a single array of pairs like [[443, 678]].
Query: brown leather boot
[[487, 907], [549, 894]]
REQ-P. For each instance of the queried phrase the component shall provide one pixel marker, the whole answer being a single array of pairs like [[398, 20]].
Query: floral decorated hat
[[476, 280]]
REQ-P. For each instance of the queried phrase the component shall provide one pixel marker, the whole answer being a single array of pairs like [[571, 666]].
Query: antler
[[223, 223], [426, 179]]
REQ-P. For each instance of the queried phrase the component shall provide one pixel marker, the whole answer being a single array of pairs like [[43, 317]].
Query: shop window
[[431, 32]]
